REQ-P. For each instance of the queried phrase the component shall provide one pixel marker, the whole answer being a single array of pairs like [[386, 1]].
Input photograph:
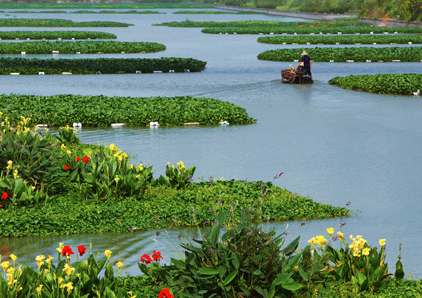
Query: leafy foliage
[[57, 23], [403, 84], [62, 110], [80, 5], [87, 11], [55, 35], [102, 65], [387, 54], [84, 47]]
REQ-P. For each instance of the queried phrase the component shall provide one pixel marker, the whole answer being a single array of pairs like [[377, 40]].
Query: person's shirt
[[306, 61]]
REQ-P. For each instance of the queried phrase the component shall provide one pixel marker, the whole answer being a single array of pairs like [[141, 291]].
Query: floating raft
[[295, 77]]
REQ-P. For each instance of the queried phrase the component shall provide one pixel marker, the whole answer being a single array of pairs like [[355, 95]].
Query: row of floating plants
[[340, 39], [241, 24], [309, 30], [87, 11], [55, 35], [60, 110], [366, 54], [50, 5], [57, 23], [215, 12], [83, 47], [402, 84], [98, 66]]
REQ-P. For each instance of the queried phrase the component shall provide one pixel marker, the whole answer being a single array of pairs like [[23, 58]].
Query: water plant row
[[83, 47], [57, 23], [98, 66], [60, 110], [138, 5], [56, 35], [87, 11], [342, 39], [403, 84], [215, 12], [386, 54]]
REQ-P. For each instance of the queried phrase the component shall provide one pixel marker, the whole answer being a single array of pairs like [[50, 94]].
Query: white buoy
[[14, 73], [374, 43], [409, 42], [417, 93], [41, 125], [368, 60], [23, 53], [73, 38], [337, 43], [123, 52], [55, 52], [114, 125], [171, 70], [350, 60], [28, 38], [271, 33], [295, 60], [396, 61], [77, 125], [77, 53], [223, 123], [311, 33], [338, 32], [284, 43], [331, 60], [371, 32], [41, 73], [187, 70], [154, 124], [138, 71], [66, 73], [59, 38]]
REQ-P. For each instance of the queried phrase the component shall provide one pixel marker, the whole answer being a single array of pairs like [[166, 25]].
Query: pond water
[[333, 145]]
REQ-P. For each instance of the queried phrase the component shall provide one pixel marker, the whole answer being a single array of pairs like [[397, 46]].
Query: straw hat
[[304, 53]]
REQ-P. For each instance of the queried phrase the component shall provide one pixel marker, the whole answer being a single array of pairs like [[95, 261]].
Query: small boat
[[295, 77]]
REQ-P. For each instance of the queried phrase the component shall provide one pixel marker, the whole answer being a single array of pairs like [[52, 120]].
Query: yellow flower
[[69, 152], [117, 179], [63, 147], [69, 287], [108, 254], [140, 167], [321, 240], [46, 129], [168, 163], [36, 128], [138, 176], [330, 231], [39, 288], [48, 261], [340, 235], [125, 155], [33, 187], [382, 242], [312, 241], [68, 269], [112, 147], [9, 164], [366, 251], [39, 260], [119, 265], [120, 158], [60, 248], [5, 265], [356, 252], [131, 166], [15, 174], [131, 295], [59, 280], [13, 257]]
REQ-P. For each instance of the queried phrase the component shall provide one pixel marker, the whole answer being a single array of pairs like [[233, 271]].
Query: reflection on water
[[332, 144]]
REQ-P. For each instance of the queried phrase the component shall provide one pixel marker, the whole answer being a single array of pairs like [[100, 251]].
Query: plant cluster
[[57, 23], [86, 11], [386, 54], [402, 84], [80, 5], [61, 110], [99, 66], [340, 39], [84, 47], [214, 12], [55, 35]]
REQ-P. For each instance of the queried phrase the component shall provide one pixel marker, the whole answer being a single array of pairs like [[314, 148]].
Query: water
[[333, 145]]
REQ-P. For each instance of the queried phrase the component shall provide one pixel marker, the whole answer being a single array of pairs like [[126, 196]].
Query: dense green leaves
[[55, 35], [57, 23], [404, 84], [98, 66], [80, 5], [387, 54], [340, 39], [84, 47], [86, 11], [61, 110]]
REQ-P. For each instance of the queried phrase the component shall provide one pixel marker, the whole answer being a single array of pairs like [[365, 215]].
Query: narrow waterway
[[333, 145]]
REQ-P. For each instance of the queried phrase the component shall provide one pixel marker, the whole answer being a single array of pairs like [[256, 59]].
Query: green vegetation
[[101, 65], [403, 84], [55, 35], [214, 12], [61, 110], [388, 54], [57, 23], [361, 39], [84, 47], [86, 11], [45, 5]]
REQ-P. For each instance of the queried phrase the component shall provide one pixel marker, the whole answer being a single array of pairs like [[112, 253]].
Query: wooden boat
[[295, 77]]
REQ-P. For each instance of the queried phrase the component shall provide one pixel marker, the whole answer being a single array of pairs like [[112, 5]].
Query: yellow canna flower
[[36, 128], [125, 155], [366, 251], [119, 265], [60, 280], [60, 248], [117, 179], [9, 164], [15, 174], [313, 241], [131, 166], [340, 235], [112, 147], [63, 147], [46, 129], [382, 242], [33, 187], [330, 231], [120, 158], [131, 295], [68, 269], [69, 152], [140, 167], [13, 257], [39, 260], [356, 252], [69, 287], [321, 240], [48, 261], [168, 163], [5, 265], [39, 288], [138, 176], [108, 254]]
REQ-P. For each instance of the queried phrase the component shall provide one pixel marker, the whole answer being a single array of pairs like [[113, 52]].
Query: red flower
[[66, 167], [1, 205], [165, 294], [146, 259], [81, 250], [157, 256], [4, 196], [67, 251], [77, 158], [85, 159]]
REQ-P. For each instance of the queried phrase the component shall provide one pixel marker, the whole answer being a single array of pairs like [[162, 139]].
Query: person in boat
[[307, 63]]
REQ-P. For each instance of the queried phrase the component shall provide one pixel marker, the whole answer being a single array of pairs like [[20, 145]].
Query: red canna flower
[[1, 205], [4, 196], [81, 250], [77, 158], [67, 251], [85, 159], [156, 256], [165, 293], [66, 167], [146, 259]]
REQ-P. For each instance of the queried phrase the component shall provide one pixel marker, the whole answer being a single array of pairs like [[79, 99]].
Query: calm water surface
[[333, 145]]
